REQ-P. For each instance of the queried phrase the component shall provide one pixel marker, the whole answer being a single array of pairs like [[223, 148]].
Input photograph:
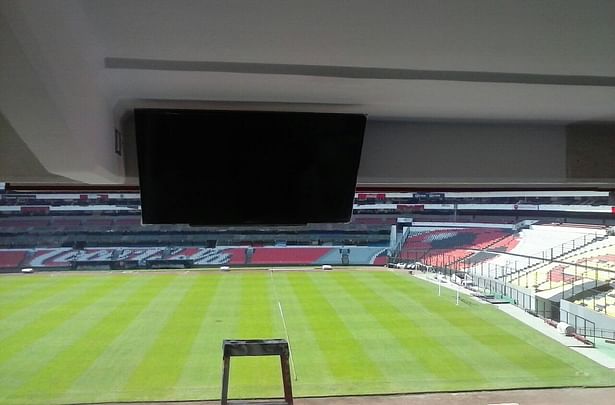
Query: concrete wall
[[428, 154], [461, 154]]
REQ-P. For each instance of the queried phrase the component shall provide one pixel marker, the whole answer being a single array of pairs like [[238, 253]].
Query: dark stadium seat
[[129, 221], [368, 220], [98, 222], [25, 223]]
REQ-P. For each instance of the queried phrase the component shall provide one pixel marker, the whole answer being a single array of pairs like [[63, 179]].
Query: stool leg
[[225, 377], [288, 390]]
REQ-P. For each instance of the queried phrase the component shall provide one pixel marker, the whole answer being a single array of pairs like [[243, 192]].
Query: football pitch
[[101, 337]]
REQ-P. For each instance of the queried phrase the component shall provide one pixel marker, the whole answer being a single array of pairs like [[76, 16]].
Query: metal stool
[[257, 347]]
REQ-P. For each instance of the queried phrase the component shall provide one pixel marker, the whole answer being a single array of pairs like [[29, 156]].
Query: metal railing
[[525, 300], [597, 333], [581, 325], [524, 264]]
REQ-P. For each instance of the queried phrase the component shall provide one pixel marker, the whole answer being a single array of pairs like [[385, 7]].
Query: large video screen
[[213, 167]]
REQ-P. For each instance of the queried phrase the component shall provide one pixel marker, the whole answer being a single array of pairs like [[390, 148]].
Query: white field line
[[290, 350]]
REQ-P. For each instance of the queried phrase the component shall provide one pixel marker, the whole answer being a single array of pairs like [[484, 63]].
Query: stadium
[[307, 203], [386, 320]]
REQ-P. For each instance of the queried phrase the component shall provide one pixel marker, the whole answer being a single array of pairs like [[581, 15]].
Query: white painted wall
[[602, 321], [457, 155], [51, 94]]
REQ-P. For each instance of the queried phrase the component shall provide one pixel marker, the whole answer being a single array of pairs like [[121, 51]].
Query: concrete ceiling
[[71, 69]]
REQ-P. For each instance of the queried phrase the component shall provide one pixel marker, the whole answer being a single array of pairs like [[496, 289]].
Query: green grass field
[[157, 336]]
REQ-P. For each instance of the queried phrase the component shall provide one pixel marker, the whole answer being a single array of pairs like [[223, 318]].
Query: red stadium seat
[[11, 258], [288, 255]]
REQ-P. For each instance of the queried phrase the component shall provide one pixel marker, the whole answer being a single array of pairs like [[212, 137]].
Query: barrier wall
[[295, 255]]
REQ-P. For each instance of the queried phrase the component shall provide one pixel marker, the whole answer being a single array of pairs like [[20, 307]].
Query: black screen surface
[[208, 167]]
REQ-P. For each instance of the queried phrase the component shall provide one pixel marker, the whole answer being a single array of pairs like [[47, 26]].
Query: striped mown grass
[[157, 336]]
